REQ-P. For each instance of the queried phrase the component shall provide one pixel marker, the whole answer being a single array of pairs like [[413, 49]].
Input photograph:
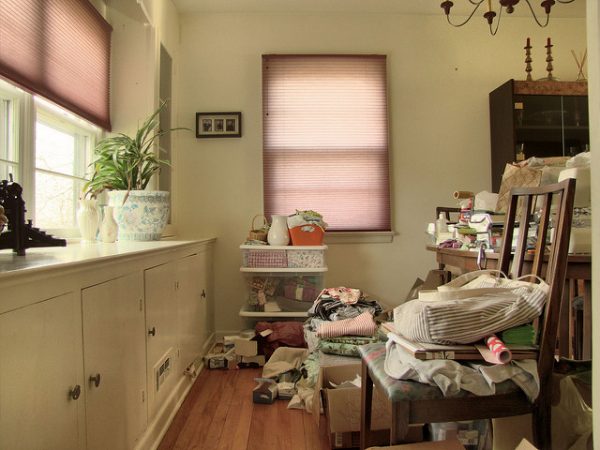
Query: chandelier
[[508, 5]]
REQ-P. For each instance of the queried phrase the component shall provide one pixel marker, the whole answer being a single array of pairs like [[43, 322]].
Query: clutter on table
[[481, 217]]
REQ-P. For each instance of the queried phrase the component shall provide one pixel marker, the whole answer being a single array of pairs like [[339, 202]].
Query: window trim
[[346, 231]]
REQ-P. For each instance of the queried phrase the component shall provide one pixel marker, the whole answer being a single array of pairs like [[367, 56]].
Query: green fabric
[[339, 348], [522, 335]]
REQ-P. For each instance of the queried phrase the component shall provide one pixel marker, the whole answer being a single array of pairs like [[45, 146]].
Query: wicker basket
[[258, 234]]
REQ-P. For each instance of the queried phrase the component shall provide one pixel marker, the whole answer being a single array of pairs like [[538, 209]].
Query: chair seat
[[398, 390]]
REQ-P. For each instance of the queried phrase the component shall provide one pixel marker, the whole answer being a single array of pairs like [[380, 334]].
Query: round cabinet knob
[[75, 392], [152, 331], [203, 295], [95, 379]]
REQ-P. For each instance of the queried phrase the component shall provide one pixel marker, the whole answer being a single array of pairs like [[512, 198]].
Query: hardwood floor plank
[[239, 417], [180, 420], [291, 426], [218, 414], [201, 415]]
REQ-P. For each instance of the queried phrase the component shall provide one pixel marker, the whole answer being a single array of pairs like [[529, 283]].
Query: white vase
[[278, 233], [108, 227], [88, 219]]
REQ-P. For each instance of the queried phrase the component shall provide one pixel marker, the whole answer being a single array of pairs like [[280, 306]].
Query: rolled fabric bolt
[[498, 348], [463, 194]]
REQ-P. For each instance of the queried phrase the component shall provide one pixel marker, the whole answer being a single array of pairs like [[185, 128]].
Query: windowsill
[[360, 237]]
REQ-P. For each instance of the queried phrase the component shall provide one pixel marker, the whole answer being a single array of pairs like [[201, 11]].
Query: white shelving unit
[[306, 261]]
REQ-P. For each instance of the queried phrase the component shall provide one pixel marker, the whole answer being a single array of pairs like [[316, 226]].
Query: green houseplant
[[124, 165]]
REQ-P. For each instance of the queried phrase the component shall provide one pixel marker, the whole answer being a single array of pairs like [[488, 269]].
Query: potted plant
[[123, 166]]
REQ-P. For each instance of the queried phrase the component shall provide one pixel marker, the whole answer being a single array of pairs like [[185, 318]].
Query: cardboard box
[[437, 445], [342, 408], [265, 392], [219, 357]]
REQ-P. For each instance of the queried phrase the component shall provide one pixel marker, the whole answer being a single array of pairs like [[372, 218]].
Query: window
[[48, 151], [9, 161], [325, 142], [62, 157]]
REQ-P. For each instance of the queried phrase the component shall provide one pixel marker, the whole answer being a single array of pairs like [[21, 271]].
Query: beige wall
[[593, 23], [439, 79]]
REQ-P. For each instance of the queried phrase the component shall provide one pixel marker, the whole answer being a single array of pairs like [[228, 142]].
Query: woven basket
[[258, 234]]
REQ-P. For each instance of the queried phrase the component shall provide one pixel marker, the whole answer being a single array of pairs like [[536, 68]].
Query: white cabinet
[[78, 369], [161, 330], [176, 323], [41, 381], [193, 314], [114, 351]]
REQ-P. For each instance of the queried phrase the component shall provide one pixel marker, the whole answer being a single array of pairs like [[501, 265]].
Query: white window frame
[[25, 110]]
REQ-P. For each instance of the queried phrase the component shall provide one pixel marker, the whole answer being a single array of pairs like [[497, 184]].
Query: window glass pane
[[54, 150], [8, 169], [55, 201]]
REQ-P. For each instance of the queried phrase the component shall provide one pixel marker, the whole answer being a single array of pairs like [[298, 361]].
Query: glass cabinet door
[[548, 126]]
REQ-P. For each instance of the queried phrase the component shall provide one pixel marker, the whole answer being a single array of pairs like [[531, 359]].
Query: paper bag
[[515, 176]]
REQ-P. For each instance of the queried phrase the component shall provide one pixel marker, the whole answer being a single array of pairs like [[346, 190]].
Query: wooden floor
[[218, 413]]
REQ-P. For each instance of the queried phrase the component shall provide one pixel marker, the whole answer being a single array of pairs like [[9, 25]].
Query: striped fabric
[[361, 325], [495, 306]]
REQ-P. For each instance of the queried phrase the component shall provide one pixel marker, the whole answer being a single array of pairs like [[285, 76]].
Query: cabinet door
[[191, 297], [162, 333], [114, 362], [40, 367]]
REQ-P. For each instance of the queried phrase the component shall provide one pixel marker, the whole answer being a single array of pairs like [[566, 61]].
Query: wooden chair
[[414, 403]]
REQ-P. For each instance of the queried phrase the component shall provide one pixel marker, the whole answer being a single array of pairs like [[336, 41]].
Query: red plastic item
[[307, 235]]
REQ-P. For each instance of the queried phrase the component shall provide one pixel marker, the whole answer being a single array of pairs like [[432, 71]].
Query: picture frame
[[218, 124]]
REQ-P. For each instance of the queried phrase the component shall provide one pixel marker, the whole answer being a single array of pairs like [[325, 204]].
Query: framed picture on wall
[[218, 125]]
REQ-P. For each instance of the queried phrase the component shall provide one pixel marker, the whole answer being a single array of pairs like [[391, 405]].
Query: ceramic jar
[[108, 227], [140, 215], [278, 233], [88, 219]]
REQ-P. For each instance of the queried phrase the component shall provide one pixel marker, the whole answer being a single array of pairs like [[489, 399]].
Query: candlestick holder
[[528, 60], [549, 59]]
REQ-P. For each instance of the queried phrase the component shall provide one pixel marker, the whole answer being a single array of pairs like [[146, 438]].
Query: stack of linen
[[341, 320]]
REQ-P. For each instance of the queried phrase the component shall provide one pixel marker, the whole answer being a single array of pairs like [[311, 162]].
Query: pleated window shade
[[325, 139], [59, 49]]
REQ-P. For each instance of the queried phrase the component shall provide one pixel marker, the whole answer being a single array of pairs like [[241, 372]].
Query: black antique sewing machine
[[20, 235]]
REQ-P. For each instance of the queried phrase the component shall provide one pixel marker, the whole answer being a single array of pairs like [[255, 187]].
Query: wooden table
[[577, 328]]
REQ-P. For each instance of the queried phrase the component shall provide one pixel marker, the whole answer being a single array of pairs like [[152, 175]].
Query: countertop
[[42, 259]]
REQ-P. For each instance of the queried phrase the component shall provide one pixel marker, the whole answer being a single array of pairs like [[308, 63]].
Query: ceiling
[[422, 7]]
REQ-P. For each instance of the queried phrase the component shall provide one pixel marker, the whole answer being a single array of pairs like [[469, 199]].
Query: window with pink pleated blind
[[59, 49], [325, 139]]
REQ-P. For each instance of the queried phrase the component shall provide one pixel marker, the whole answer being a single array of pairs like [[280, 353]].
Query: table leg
[[587, 319], [399, 428], [365, 407]]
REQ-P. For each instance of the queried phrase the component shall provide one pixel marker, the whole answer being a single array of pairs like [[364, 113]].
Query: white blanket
[[452, 376]]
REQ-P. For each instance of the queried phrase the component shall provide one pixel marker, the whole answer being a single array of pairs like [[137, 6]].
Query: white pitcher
[[278, 233]]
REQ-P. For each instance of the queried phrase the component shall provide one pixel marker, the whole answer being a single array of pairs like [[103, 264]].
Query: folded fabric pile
[[341, 320]]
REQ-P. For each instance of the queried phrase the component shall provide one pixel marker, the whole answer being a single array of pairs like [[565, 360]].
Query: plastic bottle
[[441, 224]]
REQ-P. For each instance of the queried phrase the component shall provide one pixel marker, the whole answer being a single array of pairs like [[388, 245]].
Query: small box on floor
[[436, 445], [219, 357], [265, 392]]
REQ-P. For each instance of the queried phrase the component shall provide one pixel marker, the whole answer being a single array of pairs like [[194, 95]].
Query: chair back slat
[[538, 259], [554, 261]]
